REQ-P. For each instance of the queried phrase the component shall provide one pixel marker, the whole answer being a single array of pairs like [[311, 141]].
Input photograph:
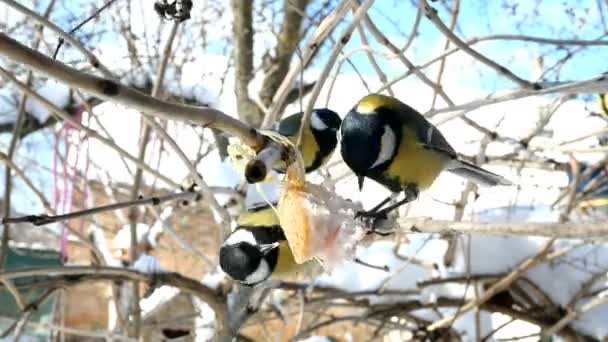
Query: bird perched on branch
[[319, 139], [602, 100], [257, 249], [387, 141], [590, 183]]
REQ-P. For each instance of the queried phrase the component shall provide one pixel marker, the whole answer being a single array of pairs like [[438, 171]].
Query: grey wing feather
[[290, 126], [427, 134], [476, 173]]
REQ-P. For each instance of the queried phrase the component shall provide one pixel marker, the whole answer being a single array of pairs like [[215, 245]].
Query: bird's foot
[[371, 220], [373, 214]]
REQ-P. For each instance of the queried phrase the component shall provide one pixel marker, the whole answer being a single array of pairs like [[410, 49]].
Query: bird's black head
[[325, 119], [325, 124], [246, 260], [370, 136]]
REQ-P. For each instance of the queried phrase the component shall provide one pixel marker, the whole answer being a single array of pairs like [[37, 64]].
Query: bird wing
[[427, 134], [290, 126]]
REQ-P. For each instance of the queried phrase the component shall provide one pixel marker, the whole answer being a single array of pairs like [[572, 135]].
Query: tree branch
[[432, 15], [242, 33], [287, 42], [550, 229], [497, 287], [74, 275], [39, 220], [113, 91], [312, 46]]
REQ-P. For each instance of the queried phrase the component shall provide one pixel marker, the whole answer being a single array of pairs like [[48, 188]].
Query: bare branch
[[242, 32], [312, 46], [345, 37], [94, 61], [557, 230], [432, 15], [497, 287], [73, 275], [39, 220], [116, 92], [287, 42]]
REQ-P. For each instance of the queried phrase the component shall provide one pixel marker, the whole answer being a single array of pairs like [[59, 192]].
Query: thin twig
[[497, 287], [84, 22], [335, 52], [94, 61], [312, 46], [67, 117], [43, 219], [16, 135], [455, 11], [382, 39], [432, 15], [414, 30]]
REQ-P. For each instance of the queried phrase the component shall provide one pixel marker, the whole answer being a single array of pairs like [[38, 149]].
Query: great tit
[[391, 143], [257, 249], [592, 187], [319, 138]]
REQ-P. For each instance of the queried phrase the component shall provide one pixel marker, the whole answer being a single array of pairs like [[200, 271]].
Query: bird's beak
[[265, 249], [360, 179]]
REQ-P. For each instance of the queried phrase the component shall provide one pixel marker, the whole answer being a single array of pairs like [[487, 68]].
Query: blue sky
[[568, 19]]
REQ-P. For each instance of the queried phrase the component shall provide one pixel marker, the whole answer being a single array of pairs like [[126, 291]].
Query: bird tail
[[477, 174]]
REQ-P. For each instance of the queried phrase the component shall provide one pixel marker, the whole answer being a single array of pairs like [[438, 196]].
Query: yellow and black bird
[[602, 101], [257, 249], [319, 139], [391, 143]]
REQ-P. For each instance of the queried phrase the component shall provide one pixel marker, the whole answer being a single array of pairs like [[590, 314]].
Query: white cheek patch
[[241, 235], [316, 122], [388, 143], [260, 274]]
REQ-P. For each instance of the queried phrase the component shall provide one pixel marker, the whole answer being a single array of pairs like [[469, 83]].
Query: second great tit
[[319, 139], [391, 143], [602, 101], [257, 249]]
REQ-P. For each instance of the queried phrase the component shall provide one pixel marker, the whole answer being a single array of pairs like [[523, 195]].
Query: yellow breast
[[286, 265], [263, 217], [309, 147], [413, 163]]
